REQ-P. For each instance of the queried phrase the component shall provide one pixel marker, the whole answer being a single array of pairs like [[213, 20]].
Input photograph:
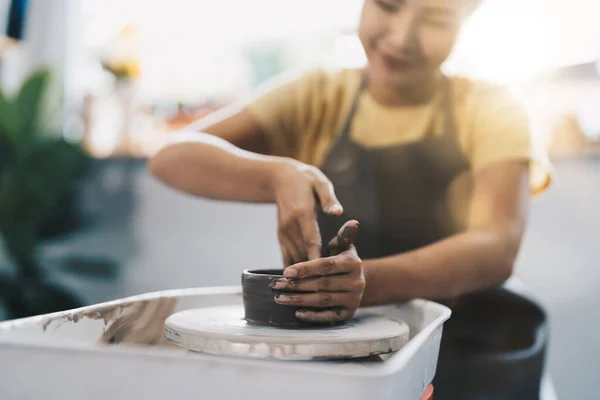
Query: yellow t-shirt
[[303, 118]]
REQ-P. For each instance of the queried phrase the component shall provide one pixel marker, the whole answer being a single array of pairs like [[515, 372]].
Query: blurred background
[[124, 74]]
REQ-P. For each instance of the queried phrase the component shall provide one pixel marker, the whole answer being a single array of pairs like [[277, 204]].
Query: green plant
[[37, 170]]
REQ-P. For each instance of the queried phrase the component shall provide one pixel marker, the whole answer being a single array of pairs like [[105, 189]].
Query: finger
[[320, 299], [329, 283], [294, 234], [293, 239], [347, 234], [326, 194], [346, 262], [326, 316], [311, 236], [345, 237], [332, 247], [286, 259], [291, 251], [289, 233]]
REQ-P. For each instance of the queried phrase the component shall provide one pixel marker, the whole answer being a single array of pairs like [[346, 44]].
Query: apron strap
[[449, 124], [445, 104], [346, 128]]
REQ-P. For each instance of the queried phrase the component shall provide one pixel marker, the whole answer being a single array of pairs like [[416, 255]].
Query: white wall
[[52, 39]]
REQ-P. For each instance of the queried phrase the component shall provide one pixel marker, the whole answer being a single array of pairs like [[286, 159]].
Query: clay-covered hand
[[329, 289], [299, 189]]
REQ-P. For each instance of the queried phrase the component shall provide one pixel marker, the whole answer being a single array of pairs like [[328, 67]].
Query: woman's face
[[406, 41]]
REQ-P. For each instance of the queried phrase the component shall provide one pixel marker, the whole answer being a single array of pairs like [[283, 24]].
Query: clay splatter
[[141, 323]]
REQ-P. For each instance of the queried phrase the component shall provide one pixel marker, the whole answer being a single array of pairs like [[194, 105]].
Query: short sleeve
[[502, 132], [282, 108]]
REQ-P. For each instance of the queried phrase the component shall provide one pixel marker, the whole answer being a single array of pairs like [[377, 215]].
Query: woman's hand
[[327, 290], [299, 189]]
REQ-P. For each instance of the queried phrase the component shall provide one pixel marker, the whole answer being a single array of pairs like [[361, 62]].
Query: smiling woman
[[433, 167]]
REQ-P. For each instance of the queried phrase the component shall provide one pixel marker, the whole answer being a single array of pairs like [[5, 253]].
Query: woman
[[435, 169]]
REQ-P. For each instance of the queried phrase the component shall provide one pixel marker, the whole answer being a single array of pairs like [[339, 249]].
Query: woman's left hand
[[331, 288]]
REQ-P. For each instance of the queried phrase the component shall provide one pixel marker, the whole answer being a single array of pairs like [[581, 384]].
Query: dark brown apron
[[400, 195]]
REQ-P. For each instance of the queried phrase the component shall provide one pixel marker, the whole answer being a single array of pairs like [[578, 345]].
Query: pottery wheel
[[223, 331]]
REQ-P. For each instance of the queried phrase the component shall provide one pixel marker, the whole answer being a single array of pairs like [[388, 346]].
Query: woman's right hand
[[299, 189]]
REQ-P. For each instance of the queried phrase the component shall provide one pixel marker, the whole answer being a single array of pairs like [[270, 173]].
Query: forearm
[[207, 166], [459, 264]]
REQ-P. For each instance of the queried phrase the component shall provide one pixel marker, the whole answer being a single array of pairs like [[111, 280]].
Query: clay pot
[[259, 303], [259, 297]]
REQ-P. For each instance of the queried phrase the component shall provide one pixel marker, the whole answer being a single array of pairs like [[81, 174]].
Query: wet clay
[[107, 314], [259, 304], [142, 323], [345, 238]]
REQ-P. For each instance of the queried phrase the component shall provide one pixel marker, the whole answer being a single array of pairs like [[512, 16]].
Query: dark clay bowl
[[259, 303]]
